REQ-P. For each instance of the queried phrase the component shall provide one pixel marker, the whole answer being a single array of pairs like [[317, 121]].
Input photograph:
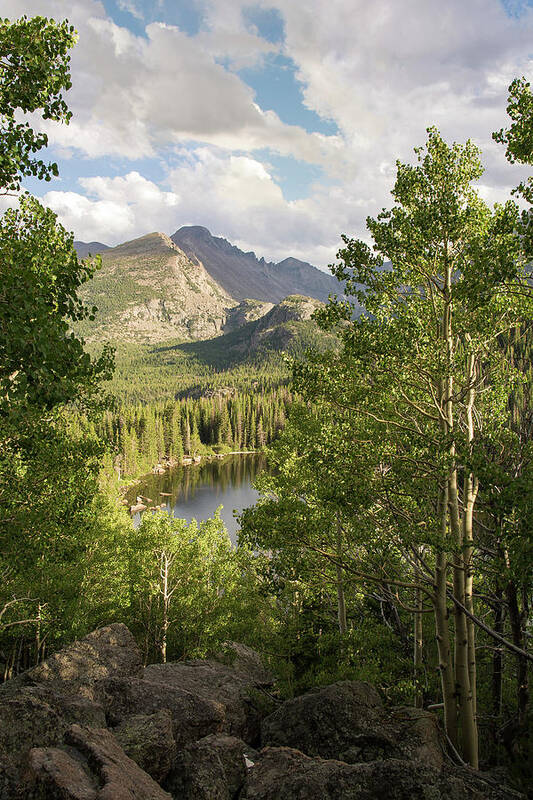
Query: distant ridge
[[84, 249], [243, 275]]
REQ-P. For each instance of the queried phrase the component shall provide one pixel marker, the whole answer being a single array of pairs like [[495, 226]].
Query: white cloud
[[383, 71], [131, 8]]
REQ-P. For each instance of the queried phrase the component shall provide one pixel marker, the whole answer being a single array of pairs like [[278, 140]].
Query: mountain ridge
[[244, 276]]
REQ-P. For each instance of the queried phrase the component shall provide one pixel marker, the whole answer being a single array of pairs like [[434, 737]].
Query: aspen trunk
[[418, 649], [463, 689], [446, 671], [518, 639], [164, 592], [341, 599]]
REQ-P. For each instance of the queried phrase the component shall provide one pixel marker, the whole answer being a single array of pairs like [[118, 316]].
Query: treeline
[[139, 437]]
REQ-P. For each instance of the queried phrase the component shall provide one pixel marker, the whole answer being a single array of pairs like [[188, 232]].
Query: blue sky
[[273, 123]]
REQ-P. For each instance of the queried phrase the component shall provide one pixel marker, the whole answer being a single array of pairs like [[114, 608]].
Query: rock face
[[236, 692], [347, 721], [95, 768], [192, 715], [212, 769], [109, 651], [286, 774], [243, 275], [148, 739], [91, 724], [149, 291]]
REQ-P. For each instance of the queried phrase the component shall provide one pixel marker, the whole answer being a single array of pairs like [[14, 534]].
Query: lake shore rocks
[[90, 723]]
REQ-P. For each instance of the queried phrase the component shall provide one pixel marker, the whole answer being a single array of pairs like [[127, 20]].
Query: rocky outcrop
[[286, 774], [244, 275], [238, 693], [91, 724], [347, 721], [92, 766], [193, 715], [148, 739], [109, 651], [212, 769]]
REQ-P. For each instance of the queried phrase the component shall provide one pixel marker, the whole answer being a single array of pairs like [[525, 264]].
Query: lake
[[196, 491]]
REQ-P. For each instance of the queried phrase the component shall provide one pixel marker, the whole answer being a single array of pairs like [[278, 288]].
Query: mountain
[[286, 327], [243, 275], [84, 249], [149, 291]]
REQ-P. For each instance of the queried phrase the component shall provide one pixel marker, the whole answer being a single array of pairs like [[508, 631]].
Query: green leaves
[[41, 362], [34, 70]]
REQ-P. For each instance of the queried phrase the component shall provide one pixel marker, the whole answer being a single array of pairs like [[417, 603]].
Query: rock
[[54, 774], [27, 721], [193, 716], [418, 736], [239, 694], [106, 652], [245, 660], [345, 720], [212, 769], [149, 741], [286, 774], [119, 777], [90, 766]]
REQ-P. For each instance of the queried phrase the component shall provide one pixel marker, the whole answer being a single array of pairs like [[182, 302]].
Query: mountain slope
[[149, 291], [243, 275], [84, 249]]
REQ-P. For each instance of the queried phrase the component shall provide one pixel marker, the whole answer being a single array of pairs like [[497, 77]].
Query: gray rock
[[239, 694], [286, 774], [119, 778], [149, 741], [192, 716], [27, 721], [245, 660], [212, 769], [91, 766], [107, 652], [345, 720], [54, 774]]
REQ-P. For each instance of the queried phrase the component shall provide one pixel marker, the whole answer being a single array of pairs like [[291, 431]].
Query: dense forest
[[142, 436], [393, 541]]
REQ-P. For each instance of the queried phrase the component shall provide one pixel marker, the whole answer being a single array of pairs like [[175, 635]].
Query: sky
[[276, 124]]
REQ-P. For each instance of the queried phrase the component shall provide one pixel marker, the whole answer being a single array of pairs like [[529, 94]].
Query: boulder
[[212, 769], [90, 766], [148, 740], [347, 721], [119, 778], [286, 774], [418, 736], [54, 774], [193, 716], [107, 652], [27, 721], [245, 660], [240, 694]]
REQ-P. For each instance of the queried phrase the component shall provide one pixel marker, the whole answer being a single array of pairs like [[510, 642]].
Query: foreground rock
[[86, 725], [347, 721], [239, 693], [107, 652], [93, 767], [148, 739], [192, 715], [286, 774], [212, 769]]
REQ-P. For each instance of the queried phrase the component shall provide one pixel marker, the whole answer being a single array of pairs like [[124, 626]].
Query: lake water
[[196, 491]]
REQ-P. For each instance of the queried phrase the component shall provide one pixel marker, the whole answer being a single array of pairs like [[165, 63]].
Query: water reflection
[[198, 490]]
